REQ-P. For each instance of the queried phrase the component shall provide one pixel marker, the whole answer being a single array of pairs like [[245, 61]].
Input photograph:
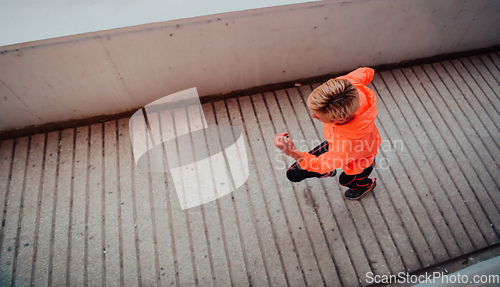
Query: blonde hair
[[337, 98]]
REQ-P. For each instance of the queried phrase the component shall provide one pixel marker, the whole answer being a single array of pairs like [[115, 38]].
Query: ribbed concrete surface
[[77, 212]]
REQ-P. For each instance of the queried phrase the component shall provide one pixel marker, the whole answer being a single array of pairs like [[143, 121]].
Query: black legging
[[357, 180], [295, 173]]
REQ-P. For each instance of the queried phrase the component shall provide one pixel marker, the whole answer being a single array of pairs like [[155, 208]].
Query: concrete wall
[[111, 71], [29, 20]]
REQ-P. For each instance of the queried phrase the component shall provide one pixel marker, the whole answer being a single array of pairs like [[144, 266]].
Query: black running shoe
[[356, 193]]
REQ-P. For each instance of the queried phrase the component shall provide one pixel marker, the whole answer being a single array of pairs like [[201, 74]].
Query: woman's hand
[[285, 146]]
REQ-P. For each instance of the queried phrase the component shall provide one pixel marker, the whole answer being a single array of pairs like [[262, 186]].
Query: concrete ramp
[[76, 210]]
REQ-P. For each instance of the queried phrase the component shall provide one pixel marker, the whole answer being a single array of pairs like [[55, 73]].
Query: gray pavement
[[76, 210]]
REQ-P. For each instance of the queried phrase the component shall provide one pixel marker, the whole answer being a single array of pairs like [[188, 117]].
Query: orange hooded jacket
[[353, 146]]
